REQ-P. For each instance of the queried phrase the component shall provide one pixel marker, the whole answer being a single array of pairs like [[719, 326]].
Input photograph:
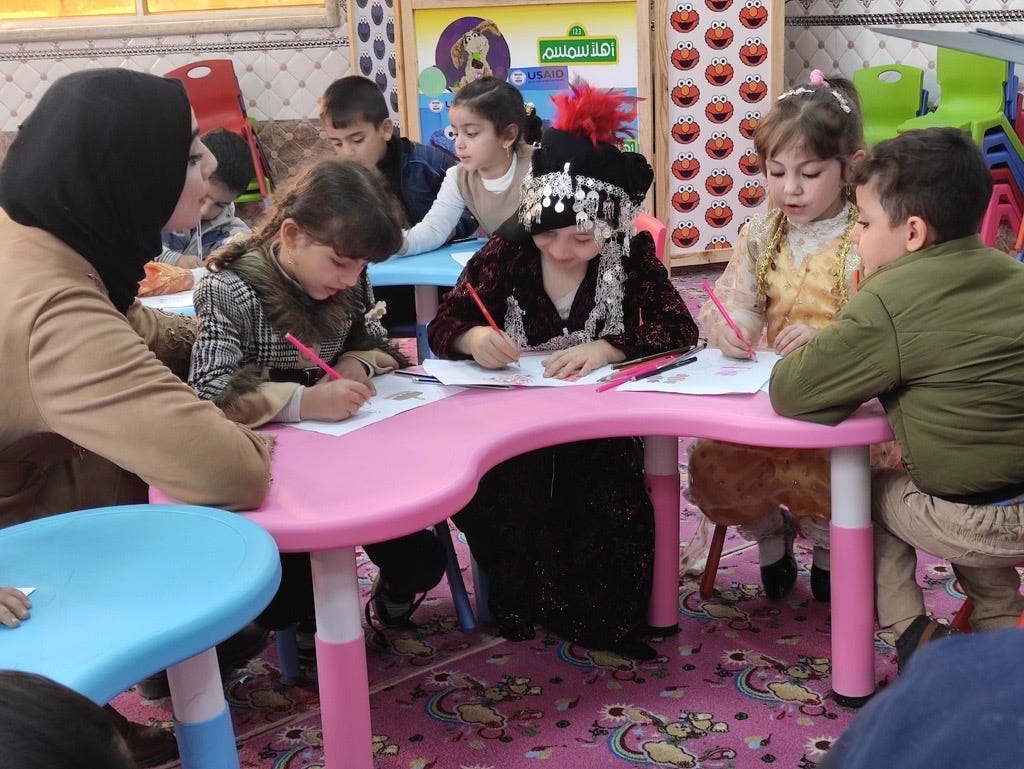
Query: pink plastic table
[[331, 494]]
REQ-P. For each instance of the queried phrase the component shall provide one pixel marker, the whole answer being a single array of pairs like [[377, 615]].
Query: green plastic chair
[[973, 93], [890, 94]]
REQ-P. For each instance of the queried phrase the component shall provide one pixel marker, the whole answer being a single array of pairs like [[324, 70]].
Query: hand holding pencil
[[489, 345], [731, 347]]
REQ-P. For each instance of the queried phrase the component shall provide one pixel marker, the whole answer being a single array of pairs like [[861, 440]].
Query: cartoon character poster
[[724, 64], [540, 49]]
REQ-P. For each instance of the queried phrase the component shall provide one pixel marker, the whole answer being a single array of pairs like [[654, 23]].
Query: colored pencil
[[483, 308], [324, 365], [725, 315]]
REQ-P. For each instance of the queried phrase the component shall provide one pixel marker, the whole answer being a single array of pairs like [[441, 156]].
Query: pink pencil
[[725, 314], [633, 374], [324, 365]]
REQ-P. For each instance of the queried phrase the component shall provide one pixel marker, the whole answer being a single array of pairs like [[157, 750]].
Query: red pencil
[[483, 309]]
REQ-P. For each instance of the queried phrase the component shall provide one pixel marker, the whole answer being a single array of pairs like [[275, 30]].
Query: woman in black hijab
[[91, 415]]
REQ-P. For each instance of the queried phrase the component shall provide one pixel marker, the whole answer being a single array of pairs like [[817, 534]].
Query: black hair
[[939, 174], [353, 99], [234, 159], [46, 725], [336, 203], [496, 101]]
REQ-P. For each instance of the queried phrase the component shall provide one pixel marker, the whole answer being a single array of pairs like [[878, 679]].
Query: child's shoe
[[922, 630], [821, 576], [389, 612], [779, 576]]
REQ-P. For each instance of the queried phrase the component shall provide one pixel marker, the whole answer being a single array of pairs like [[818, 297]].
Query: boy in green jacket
[[936, 333]]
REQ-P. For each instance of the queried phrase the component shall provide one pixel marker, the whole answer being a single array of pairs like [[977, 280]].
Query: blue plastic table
[[424, 272], [124, 592]]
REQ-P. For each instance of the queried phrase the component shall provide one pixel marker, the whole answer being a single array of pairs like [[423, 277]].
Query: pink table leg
[[853, 651], [341, 661], [661, 474]]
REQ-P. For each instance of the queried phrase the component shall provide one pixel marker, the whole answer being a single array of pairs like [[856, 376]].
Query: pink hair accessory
[[818, 78]]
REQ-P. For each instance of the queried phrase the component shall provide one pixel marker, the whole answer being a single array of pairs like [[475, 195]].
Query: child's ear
[[919, 234], [852, 162], [288, 233], [387, 129], [509, 135]]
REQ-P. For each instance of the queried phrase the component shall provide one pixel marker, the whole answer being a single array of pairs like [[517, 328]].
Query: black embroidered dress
[[566, 533]]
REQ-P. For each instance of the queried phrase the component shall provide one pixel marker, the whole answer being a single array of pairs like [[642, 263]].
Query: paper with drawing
[[711, 374], [395, 394], [529, 373]]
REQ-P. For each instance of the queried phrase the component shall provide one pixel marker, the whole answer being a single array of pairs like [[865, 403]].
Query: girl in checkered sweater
[[304, 271]]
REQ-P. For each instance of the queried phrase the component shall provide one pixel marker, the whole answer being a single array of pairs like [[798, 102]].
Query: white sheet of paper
[[529, 373], [462, 257], [711, 374], [176, 301], [395, 394], [26, 590]]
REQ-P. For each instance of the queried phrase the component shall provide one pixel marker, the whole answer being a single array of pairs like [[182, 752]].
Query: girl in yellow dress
[[793, 269]]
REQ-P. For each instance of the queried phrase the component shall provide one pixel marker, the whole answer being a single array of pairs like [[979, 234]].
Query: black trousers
[[409, 565]]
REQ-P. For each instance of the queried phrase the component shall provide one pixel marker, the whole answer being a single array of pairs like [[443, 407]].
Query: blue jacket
[[414, 172]]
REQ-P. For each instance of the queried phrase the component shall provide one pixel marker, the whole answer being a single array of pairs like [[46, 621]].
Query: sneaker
[[390, 613]]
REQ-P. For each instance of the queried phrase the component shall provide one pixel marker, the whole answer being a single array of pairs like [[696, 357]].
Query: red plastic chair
[[647, 223], [216, 99]]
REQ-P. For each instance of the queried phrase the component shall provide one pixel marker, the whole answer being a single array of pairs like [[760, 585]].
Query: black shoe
[[922, 630], [516, 628], [821, 584], [232, 653], [149, 745], [388, 611], [778, 578], [633, 648]]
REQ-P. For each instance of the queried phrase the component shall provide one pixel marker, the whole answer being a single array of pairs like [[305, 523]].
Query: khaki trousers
[[982, 542]]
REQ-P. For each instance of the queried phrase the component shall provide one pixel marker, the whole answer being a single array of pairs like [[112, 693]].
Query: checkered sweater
[[243, 314]]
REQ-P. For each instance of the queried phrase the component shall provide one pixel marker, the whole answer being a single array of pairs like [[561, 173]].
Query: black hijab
[[100, 163]]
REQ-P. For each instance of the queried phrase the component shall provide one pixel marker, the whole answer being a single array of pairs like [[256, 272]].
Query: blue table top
[[433, 268], [123, 592]]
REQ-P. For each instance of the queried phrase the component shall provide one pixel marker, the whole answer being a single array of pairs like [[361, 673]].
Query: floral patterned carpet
[[745, 683]]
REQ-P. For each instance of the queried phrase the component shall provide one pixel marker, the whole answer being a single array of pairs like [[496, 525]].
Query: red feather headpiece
[[594, 113]]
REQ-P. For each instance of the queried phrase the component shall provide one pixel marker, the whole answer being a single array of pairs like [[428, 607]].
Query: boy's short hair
[[234, 159], [353, 99], [939, 174]]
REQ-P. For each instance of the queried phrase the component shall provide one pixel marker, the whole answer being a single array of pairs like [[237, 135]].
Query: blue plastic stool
[[125, 592]]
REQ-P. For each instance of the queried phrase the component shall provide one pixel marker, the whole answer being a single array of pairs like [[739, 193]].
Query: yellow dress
[[766, 289]]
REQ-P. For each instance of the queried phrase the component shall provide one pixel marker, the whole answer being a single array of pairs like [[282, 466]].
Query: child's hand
[[578, 361], [350, 368], [332, 400], [490, 348], [14, 606], [731, 344], [190, 262], [793, 338]]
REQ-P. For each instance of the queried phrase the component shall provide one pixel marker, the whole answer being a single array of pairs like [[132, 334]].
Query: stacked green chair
[[890, 94]]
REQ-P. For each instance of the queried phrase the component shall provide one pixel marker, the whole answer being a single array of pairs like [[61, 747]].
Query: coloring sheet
[[529, 373], [179, 301], [395, 394], [711, 374], [462, 257]]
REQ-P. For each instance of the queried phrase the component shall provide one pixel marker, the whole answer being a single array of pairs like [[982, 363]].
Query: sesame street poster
[[723, 70], [538, 47]]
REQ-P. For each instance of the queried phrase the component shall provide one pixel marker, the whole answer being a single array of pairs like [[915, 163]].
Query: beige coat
[[85, 398]]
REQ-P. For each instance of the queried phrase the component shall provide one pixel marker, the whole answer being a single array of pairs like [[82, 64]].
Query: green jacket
[[938, 337]]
